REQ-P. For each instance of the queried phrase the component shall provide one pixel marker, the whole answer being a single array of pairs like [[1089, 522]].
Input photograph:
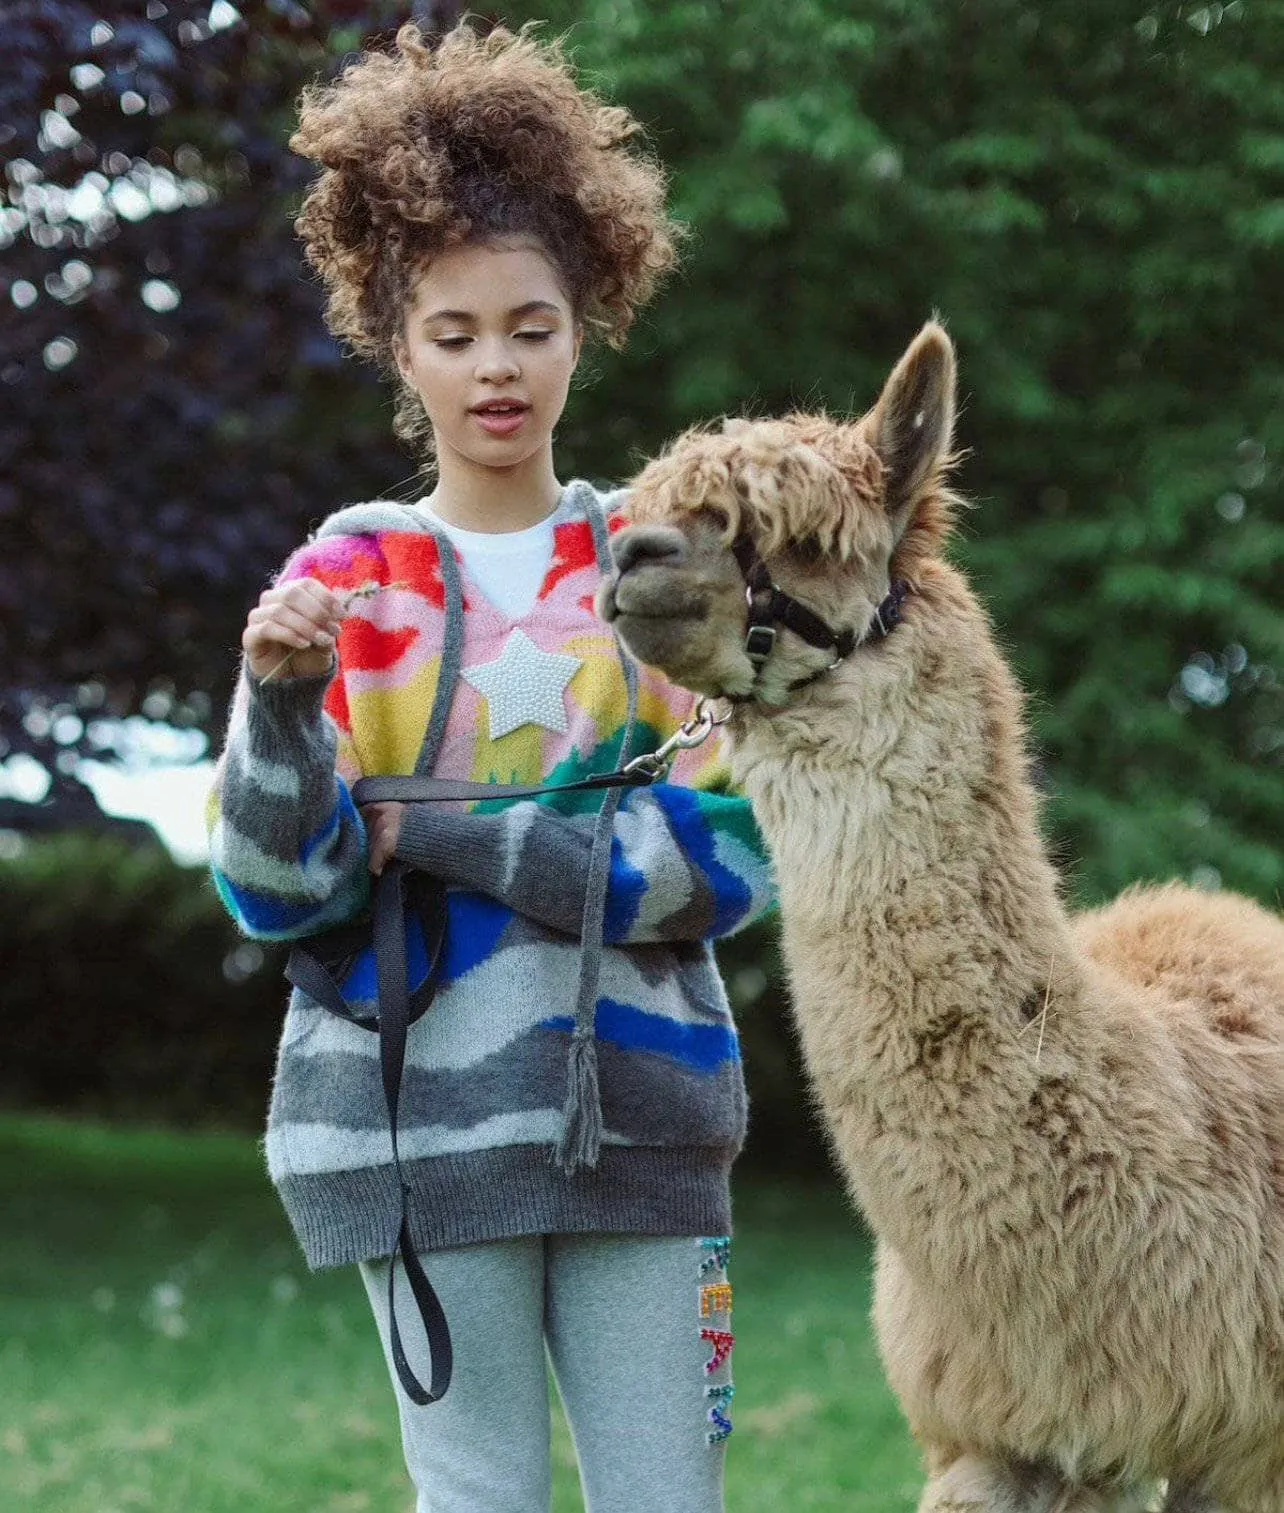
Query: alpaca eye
[[808, 550]]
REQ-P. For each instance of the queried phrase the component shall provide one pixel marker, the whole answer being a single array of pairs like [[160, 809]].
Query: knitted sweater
[[548, 697]]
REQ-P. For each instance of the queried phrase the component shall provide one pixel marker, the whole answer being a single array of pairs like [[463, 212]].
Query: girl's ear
[[579, 343]]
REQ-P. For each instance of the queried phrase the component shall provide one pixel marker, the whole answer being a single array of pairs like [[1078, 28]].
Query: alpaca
[[1067, 1134]]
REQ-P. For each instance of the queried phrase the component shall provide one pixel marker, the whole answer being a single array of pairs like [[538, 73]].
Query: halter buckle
[[760, 640]]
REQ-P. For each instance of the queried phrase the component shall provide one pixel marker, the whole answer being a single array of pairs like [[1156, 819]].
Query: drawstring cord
[[581, 1141]]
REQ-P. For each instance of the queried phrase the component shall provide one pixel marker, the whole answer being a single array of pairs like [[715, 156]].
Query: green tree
[[1093, 200]]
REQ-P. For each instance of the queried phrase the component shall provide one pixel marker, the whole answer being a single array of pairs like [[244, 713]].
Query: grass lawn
[[162, 1347]]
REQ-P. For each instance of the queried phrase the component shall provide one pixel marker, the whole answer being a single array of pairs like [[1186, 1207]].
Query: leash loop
[[394, 1022]]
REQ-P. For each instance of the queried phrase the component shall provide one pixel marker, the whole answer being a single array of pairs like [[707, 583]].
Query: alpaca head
[[834, 510]]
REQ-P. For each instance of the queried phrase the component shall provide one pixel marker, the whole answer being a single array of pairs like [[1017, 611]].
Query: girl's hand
[[383, 826], [291, 631]]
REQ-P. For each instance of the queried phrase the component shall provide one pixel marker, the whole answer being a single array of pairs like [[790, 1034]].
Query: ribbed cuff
[[456, 847], [288, 692]]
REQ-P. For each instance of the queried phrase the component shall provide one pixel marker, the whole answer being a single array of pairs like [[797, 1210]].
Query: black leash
[[319, 964], [413, 788], [390, 965]]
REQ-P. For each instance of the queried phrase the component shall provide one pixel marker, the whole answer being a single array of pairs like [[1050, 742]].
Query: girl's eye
[[452, 343], [534, 335]]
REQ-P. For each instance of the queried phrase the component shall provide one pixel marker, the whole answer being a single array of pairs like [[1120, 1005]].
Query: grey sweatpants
[[621, 1319]]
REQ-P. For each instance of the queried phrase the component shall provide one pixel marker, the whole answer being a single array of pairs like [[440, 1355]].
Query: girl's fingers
[[260, 640], [302, 662], [259, 648], [328, 604], [383, 824], [274, 636], [280, 621], [302, 616], [298, 606], [308, 597]]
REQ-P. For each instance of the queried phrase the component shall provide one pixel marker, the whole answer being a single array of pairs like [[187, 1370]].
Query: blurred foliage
[[174, 415], [128, 994], [1092, 198], [127, 991]]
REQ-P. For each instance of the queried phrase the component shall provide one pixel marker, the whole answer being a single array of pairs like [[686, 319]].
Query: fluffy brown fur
[[1067, 1133], [788, 482], [424, 148]]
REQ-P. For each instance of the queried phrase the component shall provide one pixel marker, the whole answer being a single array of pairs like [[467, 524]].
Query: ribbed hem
[[344, 1217]]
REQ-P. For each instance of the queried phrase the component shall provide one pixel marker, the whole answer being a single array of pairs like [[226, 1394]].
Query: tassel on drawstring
[[581, 1139], [582, 1116]]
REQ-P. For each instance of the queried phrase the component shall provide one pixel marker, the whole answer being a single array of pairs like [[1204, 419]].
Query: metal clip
[[649, 764], [690, 734]]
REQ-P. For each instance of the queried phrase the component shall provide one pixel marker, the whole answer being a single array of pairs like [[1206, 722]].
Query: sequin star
[[524, 685]]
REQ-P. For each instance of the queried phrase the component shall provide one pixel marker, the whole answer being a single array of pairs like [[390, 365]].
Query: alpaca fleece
[[1066, 1132]]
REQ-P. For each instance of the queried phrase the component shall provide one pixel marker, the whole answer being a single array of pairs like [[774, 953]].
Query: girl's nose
[[496, 363]]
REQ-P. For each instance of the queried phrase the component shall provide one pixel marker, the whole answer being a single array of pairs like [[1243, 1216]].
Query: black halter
[[767, 606]]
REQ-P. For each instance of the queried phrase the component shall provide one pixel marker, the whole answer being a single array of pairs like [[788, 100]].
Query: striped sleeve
[[687, 863], [287, 845]]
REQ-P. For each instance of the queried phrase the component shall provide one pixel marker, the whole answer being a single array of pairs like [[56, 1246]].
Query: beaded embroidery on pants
[[714, 1300]]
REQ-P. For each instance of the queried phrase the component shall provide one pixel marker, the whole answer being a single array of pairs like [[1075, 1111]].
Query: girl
[[572, 1100]]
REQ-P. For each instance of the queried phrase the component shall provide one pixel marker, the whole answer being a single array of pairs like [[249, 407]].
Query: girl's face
[[489, 343]]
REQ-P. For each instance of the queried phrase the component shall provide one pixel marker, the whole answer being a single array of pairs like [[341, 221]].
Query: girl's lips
[[501, 422]]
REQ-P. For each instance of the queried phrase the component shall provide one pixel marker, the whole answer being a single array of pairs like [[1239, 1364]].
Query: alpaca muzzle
[[642, 586]]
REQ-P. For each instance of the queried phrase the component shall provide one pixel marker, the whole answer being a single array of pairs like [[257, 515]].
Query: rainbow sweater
[[547, 697]]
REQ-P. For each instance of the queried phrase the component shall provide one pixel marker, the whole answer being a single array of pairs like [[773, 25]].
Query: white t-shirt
[[508, 566]]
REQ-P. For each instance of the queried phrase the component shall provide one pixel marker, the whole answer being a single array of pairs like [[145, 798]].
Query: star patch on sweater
[[524, 685]]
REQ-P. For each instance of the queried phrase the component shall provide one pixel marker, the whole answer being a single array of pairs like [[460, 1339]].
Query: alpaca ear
[[913, 421]]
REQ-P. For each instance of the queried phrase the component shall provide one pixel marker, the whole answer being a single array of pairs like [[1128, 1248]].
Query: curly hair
[[479, 137]]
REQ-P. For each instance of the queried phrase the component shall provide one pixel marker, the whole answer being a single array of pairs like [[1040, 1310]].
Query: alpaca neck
[[905, 784], [920, 912]]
